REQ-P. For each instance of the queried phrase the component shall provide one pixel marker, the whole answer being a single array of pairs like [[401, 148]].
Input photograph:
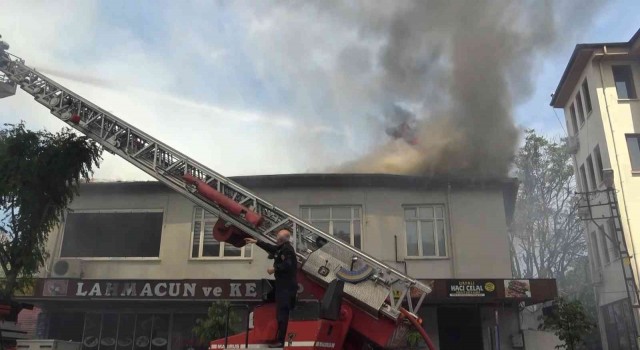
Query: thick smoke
[[461, 66]]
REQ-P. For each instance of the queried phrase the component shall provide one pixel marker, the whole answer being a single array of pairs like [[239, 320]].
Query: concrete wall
[[539, 340], [606, 126], [477, 233]]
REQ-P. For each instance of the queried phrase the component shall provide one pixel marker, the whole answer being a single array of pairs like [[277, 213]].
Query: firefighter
[[285, 270]]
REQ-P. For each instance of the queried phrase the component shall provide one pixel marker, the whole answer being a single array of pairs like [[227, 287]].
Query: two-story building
[[599, 95], [134, 264]]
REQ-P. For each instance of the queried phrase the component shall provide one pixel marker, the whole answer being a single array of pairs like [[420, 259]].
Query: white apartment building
[[137, 261], [599, 95]]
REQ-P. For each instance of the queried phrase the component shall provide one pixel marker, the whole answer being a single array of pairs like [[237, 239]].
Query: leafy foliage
[[39, 175], [213, 326], [546, 236], [414, 339], [569, 322]]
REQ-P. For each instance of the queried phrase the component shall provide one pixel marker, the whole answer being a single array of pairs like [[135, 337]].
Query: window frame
[[221, 250], [331, 220], [614, 235], [587, 97], [630, 79], [580, 107], [592, 173], [596, 251], [583, 179], [444, 220], [613, 325], [599, 163], [574, 119], [105, 258], [636, 137], [605, 246]]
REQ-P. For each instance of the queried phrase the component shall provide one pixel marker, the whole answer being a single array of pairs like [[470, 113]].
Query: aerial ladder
[[377, 305]]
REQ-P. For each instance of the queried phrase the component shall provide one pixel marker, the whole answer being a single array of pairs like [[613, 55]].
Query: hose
[[418, 327]]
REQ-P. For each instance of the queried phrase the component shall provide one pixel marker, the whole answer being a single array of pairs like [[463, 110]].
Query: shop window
[[107, 234], [619, 325], [111, 331], [126, 327], [182, 336], [343, 222], [623, 78], [425, 231], [205, 246], [67, 326]]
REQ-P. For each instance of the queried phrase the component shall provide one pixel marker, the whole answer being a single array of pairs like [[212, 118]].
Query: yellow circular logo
[[489, 287]]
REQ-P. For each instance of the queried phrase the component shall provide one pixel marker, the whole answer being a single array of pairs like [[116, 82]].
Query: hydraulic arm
[[381, 290]]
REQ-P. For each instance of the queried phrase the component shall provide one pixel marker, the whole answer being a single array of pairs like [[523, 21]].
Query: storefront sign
[[150, 289], [517, 289], [471, 288]]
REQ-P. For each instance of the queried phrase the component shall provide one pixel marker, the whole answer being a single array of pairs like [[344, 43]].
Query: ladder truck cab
[[360, 302]]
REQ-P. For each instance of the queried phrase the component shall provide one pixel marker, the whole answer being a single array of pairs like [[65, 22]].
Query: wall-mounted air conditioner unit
[[573, 144], [67, 268]]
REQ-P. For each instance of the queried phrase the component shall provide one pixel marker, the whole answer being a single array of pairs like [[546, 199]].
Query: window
[[604, 243], [205, 246], [587, 96], [618, 324], [595, 251], [580, 108], [425, 230], [613, 233], [343, 222], [128, 330], [624, 82], [599, 166], [592, 173], [574, 120], [583, 179], [121, 234], [633, 144]]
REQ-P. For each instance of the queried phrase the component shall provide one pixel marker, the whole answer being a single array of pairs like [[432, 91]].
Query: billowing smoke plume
[[460, 67], [401, 125]]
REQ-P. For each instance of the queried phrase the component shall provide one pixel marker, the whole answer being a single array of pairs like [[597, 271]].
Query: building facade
[[599, 95], [134, 265]]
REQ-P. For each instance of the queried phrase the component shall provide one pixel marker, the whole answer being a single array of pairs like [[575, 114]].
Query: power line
[[558, 118]]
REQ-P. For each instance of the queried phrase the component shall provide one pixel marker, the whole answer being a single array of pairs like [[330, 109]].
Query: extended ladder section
[[323, 257]]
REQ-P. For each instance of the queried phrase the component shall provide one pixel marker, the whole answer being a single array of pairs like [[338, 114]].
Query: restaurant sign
[[150, 289], [471, 288]]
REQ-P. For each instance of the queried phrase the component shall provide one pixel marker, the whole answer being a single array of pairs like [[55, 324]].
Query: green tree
[[213, 326], [39, 175], [547, 237], [546, 233], [569, 322]]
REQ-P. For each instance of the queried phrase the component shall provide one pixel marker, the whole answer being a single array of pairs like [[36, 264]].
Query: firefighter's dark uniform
[[285, 265]]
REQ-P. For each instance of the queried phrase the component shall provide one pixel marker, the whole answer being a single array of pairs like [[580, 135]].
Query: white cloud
[[144, 89]]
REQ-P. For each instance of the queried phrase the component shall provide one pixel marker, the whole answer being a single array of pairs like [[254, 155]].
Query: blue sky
[[247, 88], [617, 21]]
